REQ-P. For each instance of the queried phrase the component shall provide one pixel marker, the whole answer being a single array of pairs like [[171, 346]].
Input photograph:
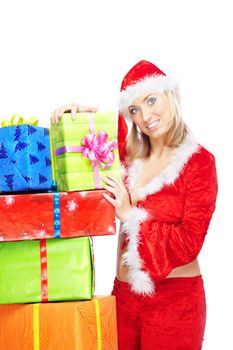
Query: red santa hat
[[142, 77]]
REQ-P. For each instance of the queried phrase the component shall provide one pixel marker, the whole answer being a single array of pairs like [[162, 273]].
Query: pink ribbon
[[95, 147]]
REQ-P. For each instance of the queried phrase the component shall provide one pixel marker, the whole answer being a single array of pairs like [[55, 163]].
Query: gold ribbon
[[52, 153], [98, 324], [17, 119], [36, 327]]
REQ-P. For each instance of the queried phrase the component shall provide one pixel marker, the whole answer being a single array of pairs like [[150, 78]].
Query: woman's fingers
[[79, 109], [112, 185], [87, 109], [74, 108], [63, 110], [115, 181], [110, 182], [57, 114], [110, 189], [109, 198]]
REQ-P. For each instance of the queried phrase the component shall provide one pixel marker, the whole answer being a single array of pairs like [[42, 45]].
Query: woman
[[165, 209]]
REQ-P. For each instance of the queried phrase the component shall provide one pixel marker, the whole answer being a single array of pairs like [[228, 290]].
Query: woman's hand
[[74, 108], [121, 197]]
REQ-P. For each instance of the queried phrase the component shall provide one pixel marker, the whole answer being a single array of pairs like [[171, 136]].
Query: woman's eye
[[133, 110], [151, 100]]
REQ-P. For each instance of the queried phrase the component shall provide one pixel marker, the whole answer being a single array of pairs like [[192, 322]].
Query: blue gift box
[[25, 158]]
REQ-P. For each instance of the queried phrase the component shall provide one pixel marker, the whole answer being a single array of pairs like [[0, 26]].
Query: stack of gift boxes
[[51, 204]]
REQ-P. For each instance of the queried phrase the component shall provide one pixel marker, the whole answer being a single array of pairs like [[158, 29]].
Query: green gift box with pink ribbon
[[84, 150]]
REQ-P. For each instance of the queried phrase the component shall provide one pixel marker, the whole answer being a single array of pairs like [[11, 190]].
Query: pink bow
[[98, 149]]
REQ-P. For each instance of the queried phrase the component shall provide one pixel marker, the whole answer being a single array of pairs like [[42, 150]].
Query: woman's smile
[[153, 125]]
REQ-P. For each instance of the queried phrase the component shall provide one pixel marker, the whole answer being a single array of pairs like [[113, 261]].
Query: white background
[[55, 52]]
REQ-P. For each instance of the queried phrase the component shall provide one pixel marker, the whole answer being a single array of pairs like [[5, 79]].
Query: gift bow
[[17, 119], [98, 149]]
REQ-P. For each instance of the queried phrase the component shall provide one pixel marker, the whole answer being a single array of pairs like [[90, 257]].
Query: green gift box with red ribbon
[[84, 150], [46, 270]]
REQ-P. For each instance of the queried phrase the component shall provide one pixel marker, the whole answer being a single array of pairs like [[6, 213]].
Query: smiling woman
[[165, 207], [173, 186]]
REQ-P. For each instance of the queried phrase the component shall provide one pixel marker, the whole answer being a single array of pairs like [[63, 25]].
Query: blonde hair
[[138, 144]]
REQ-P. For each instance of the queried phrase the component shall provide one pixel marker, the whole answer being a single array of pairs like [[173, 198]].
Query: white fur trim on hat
[[159, 83]]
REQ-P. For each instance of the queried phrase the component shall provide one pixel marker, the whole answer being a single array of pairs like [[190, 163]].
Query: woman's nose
[[145, 116]]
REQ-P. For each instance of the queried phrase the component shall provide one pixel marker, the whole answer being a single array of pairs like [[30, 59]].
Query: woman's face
[[151, 114]]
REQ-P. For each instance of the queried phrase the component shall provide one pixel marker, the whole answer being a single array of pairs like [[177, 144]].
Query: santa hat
[[141, 78]]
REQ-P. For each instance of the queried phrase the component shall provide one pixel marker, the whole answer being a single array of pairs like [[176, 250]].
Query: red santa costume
[[164, 230]]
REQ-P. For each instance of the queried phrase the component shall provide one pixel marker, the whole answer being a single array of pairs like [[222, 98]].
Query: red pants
[[173, 319]]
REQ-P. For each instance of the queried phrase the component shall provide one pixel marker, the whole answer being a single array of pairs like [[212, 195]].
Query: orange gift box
[[79, 325]]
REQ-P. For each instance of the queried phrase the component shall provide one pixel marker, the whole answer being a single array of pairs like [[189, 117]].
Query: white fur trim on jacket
[[123, 171], [159, 83], [139, 280], [170, 173]]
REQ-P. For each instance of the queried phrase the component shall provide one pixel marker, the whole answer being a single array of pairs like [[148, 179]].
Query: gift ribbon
[[56, 212], [44, 271], [57, 219], [17, 119], [96, 148], [54, 185], [98, 324], [36, 327]]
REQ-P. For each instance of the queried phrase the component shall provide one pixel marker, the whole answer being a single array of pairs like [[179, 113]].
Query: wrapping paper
[[72, 170], [47, 270], [82, 325], [25, 158], [48, 215]]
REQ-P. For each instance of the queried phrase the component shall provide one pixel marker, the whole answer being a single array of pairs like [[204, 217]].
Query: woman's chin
[[157, 135]]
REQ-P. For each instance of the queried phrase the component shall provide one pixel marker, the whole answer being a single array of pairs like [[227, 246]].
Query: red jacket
[[167, 227]]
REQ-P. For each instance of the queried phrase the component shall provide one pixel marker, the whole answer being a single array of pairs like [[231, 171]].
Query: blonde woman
[[165, 208]]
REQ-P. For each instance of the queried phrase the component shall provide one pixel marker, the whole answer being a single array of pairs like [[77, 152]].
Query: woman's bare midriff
[[189, 270]]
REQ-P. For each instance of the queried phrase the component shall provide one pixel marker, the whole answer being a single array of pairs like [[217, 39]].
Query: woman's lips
[[153, 124]]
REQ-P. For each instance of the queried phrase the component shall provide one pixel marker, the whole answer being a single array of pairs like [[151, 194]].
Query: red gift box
[[54, 215]]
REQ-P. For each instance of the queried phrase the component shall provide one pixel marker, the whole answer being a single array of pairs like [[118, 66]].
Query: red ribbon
[[44, 271]]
